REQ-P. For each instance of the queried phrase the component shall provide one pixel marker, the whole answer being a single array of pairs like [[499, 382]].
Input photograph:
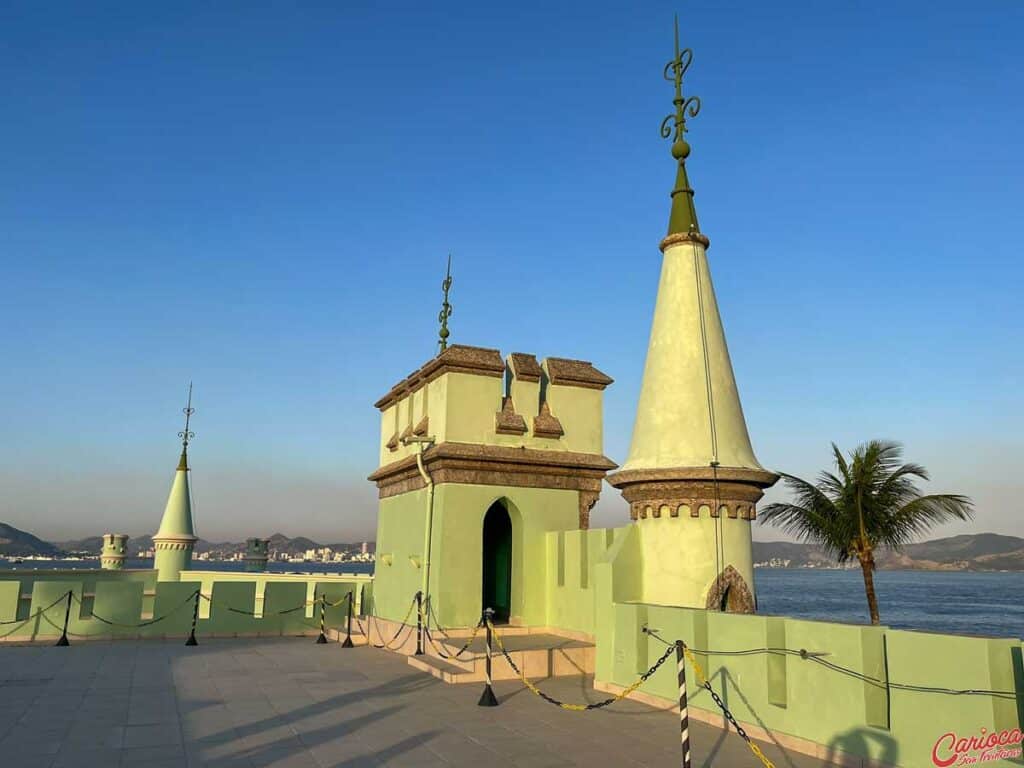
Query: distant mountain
[[969, 552], [18, 543]]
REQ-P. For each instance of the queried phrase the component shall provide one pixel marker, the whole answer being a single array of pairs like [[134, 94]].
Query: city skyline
[[274, 226]]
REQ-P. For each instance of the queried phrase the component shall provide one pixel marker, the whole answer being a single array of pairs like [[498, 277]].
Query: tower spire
[[683, 219], [446, 309], [176, 538], [186, 435]]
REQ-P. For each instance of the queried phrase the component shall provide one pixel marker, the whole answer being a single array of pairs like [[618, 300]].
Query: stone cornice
[[458, 358], [762, 478], [576, 373], [685, 237], [495, 465], [525, 367]]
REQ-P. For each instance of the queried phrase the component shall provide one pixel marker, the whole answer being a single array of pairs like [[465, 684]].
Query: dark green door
[[497, 576]]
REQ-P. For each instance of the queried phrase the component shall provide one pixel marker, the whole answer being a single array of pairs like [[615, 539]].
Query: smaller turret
[[257, 551], [174, 541], [115, 545]]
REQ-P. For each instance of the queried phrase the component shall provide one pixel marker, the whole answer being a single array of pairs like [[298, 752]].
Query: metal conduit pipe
[[423, 443]]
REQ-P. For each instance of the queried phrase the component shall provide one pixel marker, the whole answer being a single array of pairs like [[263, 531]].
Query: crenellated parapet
[[471, 395], [114, 551], [513, 422]]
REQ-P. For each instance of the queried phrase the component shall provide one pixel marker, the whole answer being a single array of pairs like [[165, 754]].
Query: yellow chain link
[[703, 680], [571, 707]]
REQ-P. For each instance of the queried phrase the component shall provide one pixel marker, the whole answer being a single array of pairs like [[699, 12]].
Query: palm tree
[[872, 502]]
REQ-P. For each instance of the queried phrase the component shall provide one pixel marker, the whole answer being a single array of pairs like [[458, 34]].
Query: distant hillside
[[969, 552], [18, 543], [278, 543]]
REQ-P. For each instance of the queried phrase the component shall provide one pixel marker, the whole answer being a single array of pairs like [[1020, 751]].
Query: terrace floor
[[290, 703]]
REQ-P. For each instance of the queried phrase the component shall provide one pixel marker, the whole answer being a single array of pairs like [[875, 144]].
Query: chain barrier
[[38, 612], [148, 623], [390, 645], [462, 650], [578, 707]]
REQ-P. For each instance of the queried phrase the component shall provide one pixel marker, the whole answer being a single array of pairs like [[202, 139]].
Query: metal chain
[[38, 611], [579, 707], [148, 623], [462, 650], [705, 683]]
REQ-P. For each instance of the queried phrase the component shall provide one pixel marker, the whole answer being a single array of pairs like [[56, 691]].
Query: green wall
[[127, 599]]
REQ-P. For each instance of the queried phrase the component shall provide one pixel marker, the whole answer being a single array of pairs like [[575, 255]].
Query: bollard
[[195, 619], [348, 628], [487, 698], [323, 607], [419, 623], [684, 717], [67, 616]]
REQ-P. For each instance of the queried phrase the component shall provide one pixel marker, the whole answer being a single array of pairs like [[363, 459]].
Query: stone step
[[537, 655]]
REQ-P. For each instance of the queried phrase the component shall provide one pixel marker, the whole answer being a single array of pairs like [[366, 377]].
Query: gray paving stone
[[243, 703]]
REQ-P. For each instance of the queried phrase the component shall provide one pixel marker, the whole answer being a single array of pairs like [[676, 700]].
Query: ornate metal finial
[[186, 434], [674, 125], [683, 219], [446, 309]]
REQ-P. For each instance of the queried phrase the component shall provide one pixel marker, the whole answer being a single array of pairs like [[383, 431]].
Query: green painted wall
[[457, 541], [120, 597], [671, 577]]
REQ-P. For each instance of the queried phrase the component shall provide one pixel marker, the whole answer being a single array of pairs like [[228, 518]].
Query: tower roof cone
[[689, 417], [176, 524]]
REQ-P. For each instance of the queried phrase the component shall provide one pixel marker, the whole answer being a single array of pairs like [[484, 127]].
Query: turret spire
[[176, 538], [683, 219], [446, 309], [186, 435]]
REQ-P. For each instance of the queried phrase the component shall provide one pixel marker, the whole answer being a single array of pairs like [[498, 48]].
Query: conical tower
[[174, 541], [691, 479]]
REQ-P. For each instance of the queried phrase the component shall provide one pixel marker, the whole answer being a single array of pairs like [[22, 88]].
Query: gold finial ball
[[680, 150], [444, 333]]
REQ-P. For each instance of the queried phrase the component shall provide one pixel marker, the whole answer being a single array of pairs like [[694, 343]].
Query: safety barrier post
[[487, 698], [67, 616], [348, 628], [323, 607], [684, 717], [195, 620], [419, 623]]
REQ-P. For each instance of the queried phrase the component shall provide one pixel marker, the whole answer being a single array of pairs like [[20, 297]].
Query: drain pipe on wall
[[423, 443]]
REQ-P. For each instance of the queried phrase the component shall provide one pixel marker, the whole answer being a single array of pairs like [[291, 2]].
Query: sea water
[[964, 603]]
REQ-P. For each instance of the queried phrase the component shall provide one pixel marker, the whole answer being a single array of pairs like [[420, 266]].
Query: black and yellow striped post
[[63, 642], [419, 623], [348, 628], [487, 698], [323, 607], [684, 716], [195, 619]]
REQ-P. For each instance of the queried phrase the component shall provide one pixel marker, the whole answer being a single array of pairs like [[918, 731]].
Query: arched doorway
[[497, 562]]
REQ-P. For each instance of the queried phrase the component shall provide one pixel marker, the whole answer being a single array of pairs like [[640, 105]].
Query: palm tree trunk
[[867, 566]]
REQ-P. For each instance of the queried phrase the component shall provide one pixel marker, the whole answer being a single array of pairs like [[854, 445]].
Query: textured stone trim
[[421, 429], [730, 579], [759, 477], [525, 367], [576, 373], [494, 465], [685, 237], [458, 358], [507, 421], [587, 501], [392, 444], [171, 542], [406, 433], [546, 425]]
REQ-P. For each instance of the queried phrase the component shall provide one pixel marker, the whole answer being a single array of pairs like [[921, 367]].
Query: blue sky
[[261, 197]]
